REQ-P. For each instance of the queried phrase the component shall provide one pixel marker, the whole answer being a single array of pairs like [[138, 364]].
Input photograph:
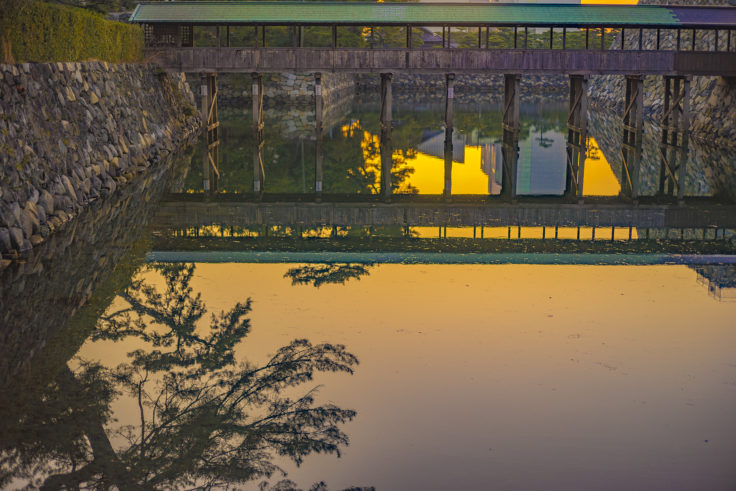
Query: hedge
[[41, 32]]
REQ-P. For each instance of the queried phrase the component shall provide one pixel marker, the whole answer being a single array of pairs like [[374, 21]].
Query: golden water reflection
[[598, 377], [477, 175]]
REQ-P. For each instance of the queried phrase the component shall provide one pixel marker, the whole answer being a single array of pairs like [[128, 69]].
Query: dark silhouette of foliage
[[319, 274], [169, 320], [204, 420], [289, 485]]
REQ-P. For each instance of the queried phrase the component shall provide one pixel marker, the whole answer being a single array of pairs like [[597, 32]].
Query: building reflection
[[290, 156]]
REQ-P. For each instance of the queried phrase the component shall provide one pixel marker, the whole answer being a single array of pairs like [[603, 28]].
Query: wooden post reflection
[[449, 128], [258, 172], [204, 94], [577, 134], [633, 125], [386, 145], [318, 134], [673, 146], [511, 127], [211, 154]]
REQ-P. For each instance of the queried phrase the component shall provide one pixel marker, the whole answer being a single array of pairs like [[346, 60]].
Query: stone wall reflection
[[710, 169], [39, 294]]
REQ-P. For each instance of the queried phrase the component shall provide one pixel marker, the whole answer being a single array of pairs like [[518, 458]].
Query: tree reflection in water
[[203, 419], [319, 274]]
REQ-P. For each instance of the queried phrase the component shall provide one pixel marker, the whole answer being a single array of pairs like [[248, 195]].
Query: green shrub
[[40, 32]]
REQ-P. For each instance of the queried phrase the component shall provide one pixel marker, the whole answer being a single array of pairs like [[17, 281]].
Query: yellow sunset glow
[[467, 177], [599, 179]]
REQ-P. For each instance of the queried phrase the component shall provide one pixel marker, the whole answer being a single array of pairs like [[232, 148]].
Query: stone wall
[[469, 89], [712, 99], [74, 275], [298, 89], [281, 88], [71, 133]]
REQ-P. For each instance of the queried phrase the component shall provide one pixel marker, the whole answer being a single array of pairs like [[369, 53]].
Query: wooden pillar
[[675, 124], [318, 133], [715, 40], [386, 145], [633, 124], [603, 38], [511, 125], [258, 171], [577, 133], [227, 33], [449, 127]]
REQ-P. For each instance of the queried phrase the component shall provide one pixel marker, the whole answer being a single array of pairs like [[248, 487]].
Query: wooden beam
[[356, 60]]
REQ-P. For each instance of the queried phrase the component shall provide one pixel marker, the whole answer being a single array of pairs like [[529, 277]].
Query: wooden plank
[[443, 61], [187, 213]]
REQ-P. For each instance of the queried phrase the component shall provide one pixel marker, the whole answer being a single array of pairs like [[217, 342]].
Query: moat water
[[224, 356]]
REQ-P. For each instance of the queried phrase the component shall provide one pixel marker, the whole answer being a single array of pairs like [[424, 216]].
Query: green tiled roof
[[369, 13]]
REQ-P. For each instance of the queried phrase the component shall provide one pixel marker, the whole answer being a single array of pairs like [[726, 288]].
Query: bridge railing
[[485, 37], [355, 60]]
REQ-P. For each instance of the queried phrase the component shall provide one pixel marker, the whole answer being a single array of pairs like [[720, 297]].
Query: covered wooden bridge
[[510, 39], [388, 40]]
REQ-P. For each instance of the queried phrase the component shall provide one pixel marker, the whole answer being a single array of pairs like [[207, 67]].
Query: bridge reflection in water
[[172, 43], [500, 157], [537, 214], [545, 205]]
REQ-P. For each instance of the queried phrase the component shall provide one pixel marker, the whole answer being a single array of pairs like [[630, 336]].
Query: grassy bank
[[37, 31]]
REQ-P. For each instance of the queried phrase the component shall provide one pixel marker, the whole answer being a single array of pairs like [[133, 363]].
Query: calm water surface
[[141, 355]]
